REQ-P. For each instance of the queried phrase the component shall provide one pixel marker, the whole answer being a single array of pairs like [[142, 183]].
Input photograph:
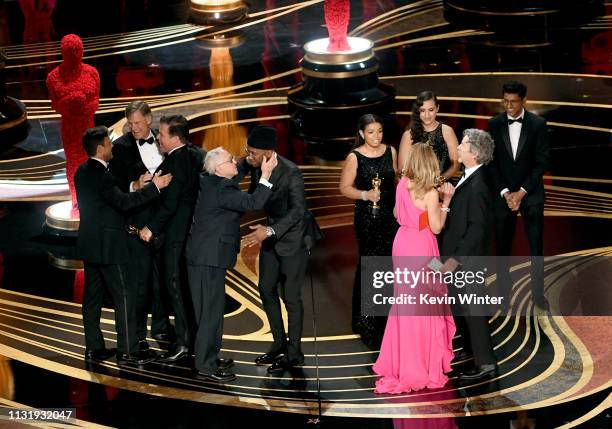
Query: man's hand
[[508, 196], [259, 234], [514, 199], [161, 181], [268, 165], [449, 266], [142, 181], [145, 234]]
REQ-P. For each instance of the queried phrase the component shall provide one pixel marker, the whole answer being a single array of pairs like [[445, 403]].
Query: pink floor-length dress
[[416, 351]]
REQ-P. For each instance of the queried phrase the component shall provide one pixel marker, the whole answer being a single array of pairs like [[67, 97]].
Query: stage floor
[[554, 370]]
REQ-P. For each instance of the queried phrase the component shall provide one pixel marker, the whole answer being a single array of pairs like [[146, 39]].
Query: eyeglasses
[[250, 152], [232, 160]]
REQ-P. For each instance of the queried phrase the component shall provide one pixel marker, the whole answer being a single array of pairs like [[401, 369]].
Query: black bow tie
[[512, 121], [150, 140]]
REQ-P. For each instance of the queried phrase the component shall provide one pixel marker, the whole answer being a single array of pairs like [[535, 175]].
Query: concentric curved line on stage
[[536, 354]]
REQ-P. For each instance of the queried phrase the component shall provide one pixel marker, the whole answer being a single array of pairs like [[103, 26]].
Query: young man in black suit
[[212, 245], [283, 257], [135, 154], [102, 244], [171, 220], [520, 160], [467, 238]]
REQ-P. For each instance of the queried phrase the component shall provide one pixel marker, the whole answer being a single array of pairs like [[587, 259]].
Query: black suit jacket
[[468, 230], [102, 235], [531, 160], [173, 210], [214, 238], [127, 166], [285, 208]]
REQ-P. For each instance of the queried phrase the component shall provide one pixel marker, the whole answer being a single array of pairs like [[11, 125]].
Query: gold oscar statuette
[[374, 207]]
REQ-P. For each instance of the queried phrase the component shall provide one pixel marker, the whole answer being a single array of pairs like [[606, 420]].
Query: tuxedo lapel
[[139, 164], [467, 181], [503, 123], [525, 130]]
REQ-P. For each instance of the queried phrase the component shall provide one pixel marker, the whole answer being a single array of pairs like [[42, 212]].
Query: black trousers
[[474, 330], [144, 266], [173, 277], [116, 279], [283, 276], [207, 285], [505, 224]]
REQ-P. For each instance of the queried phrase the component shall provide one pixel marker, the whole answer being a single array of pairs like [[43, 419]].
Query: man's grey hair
[[481, 144], [212, 159], [137, 106]]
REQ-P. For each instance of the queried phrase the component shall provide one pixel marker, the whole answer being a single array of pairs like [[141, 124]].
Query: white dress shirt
[[515, 132], [150, 155]]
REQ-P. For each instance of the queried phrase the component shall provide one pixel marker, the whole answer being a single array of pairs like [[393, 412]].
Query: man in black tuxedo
[[171, 220], [212, 245], [283, 257], [520, 160], [136, 153], [102, 244], [467, 238]]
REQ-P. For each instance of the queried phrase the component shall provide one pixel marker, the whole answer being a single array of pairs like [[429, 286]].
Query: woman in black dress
[[370, 157], [425, 128]]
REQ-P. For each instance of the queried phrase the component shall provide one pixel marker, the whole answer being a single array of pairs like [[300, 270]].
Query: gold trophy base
[[215, 12]]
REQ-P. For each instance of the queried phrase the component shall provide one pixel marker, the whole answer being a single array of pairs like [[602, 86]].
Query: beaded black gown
[[374, 234], [435, 139]]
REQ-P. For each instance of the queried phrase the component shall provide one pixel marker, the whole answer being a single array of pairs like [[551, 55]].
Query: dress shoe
[[143, 345], [99, 354], [178, 353], [219, 376], [269, 358], [283, 365], [141, 357], [225, 363], [542, 303], [161, 337], [462, 355], [478, 372]]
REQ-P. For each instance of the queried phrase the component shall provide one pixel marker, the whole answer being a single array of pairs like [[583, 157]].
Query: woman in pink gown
[[417, 350]]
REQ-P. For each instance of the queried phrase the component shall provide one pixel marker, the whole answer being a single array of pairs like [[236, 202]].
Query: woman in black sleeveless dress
[[369, 157], [425, 128]]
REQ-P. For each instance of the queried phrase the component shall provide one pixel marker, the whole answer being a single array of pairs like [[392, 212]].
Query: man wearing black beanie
[[283, 256]]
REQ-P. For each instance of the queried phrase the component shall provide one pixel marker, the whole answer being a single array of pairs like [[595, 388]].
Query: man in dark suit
[[212, 245], [102, 244], [283, 257], [135, 154], [520, 160], [170, 222], [467, 238]]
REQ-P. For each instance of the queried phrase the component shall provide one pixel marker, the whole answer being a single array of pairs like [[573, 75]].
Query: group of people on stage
[[502, 176], [160, 225]]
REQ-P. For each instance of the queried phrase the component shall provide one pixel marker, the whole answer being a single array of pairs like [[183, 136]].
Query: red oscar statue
[[337, 13], [74, 90]]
